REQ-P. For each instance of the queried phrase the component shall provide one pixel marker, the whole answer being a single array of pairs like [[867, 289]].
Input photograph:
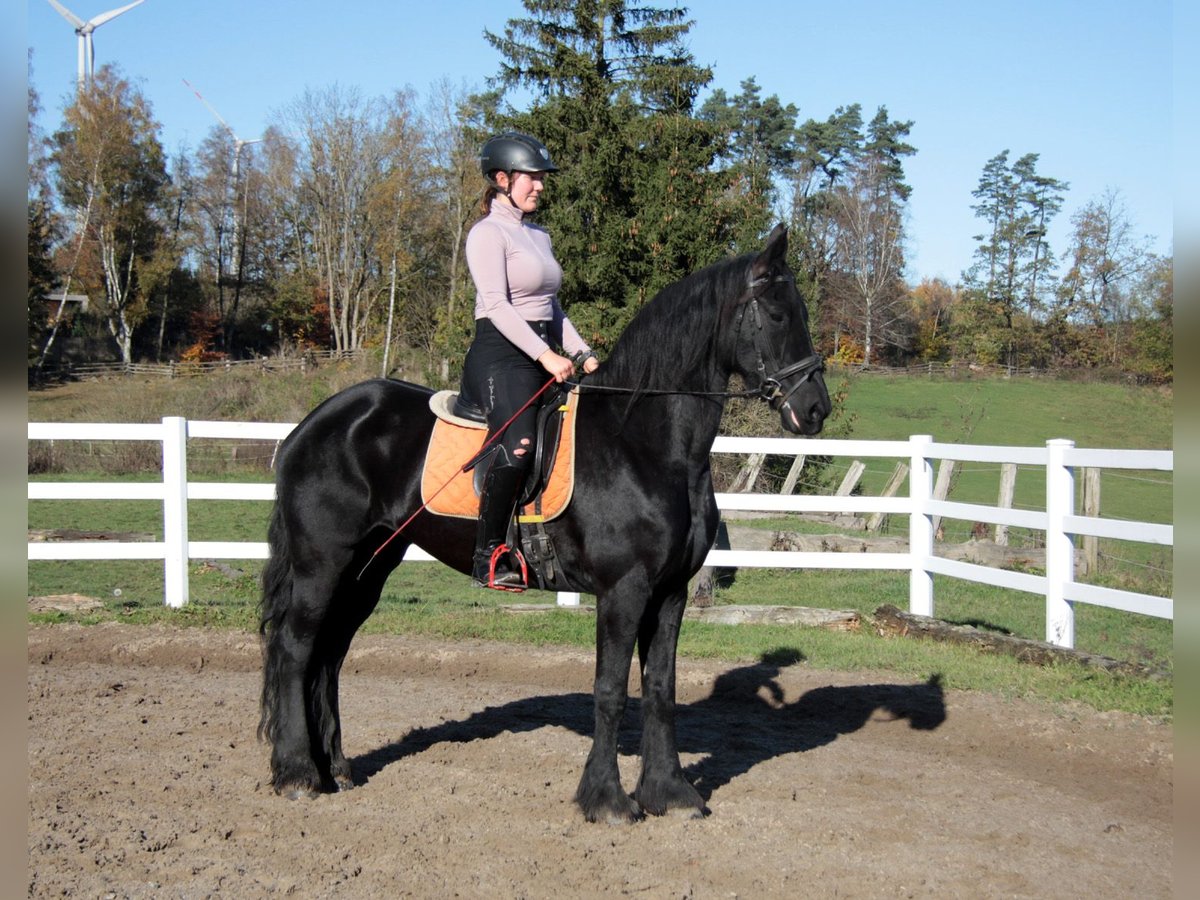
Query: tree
[[1011, 268], [110, 172], [455, 124], [869, 244], [346, 156], [759, 149], [41, 233], [223, 191], [1107, 262], [933, 303], [824, 151], [614, 89], [1151, 352], [847, 212]]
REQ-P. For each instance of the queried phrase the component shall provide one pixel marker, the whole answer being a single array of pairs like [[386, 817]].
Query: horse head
[[773, 344]]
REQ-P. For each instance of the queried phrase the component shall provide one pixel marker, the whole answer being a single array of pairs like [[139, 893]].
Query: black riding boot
[[497, 502]]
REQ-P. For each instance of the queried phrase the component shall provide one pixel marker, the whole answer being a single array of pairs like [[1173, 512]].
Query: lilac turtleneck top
[[516, 280]]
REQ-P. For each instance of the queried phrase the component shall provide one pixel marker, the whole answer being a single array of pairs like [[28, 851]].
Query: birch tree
[[343, 154], [110, 171]]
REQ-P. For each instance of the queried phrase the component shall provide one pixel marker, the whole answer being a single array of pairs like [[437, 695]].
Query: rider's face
[[525, 188]]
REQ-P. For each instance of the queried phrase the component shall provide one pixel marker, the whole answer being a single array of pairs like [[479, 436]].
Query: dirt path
[[145, 780]]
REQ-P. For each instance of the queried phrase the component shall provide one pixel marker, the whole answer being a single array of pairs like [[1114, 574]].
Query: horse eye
[[779, 314]]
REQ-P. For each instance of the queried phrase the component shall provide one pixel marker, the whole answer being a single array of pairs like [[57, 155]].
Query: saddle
[[457, 439]]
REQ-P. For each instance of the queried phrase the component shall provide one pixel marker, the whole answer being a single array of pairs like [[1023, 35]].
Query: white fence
[[1057, 520]]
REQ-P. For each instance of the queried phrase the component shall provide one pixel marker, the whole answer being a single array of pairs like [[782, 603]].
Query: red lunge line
[[421, 508]]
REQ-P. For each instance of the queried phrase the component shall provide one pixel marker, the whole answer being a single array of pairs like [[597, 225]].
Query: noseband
[[770, 386]]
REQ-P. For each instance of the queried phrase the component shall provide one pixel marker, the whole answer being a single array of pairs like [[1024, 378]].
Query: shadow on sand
[[743, 722]]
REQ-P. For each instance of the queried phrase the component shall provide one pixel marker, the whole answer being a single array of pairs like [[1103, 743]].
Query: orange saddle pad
[[448, 491]]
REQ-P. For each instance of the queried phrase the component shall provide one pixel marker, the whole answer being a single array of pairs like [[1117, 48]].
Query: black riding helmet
[[515, 152]]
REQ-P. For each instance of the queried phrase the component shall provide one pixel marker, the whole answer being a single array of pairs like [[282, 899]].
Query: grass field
[[428, 599]]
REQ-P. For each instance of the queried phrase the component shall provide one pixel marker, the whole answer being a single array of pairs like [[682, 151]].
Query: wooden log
[[890, 621], [49, 535], [748, 474], [983, 553], [875, 520], [832, 619], [793, 475], [64, 603], [853, 474], [941, 489], [522, 608]]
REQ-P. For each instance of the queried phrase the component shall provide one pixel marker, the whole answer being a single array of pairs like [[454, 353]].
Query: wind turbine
[[238, 144], [87, 56]]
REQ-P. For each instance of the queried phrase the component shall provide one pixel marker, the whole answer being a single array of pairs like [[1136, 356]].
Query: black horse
[[641, 521]]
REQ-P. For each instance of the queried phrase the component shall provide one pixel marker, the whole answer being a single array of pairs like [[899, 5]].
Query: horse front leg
[[600, 795], [662, 785]]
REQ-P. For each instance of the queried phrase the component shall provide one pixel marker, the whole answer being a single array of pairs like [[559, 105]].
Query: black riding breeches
[[499, 379]]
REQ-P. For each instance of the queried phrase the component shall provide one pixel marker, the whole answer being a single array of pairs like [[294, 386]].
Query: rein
[[770, 386], [466, 467]]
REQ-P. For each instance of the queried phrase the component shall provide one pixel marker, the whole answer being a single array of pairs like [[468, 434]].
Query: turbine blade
[[211, 109], [67, 14], [99, 20]]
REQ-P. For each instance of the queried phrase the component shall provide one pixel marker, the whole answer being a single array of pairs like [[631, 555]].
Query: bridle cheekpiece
[[770, 386]]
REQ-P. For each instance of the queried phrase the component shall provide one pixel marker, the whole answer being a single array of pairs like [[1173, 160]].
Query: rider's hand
[[590, 365], [558, 366]]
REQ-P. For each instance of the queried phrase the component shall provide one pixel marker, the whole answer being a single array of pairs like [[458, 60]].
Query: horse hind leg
[[351, 607], [292, 721]]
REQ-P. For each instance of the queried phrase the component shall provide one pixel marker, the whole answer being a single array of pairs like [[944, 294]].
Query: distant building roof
[[80, 300]]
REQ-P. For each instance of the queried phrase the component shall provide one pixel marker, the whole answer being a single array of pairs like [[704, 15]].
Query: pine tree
[[1012, 260], [759, 150], [614, 89]]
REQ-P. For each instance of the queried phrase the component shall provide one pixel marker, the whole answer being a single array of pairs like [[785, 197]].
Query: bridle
[[770, 386]]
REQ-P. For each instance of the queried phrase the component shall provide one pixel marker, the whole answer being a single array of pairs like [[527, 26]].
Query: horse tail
[[275, 602]]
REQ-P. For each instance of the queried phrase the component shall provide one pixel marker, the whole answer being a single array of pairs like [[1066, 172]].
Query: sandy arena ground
[[145, 780]]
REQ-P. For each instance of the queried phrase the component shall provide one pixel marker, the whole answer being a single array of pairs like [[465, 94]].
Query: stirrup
[[497, 555]]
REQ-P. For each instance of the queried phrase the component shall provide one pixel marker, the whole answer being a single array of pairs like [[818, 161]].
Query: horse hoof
[[297, 793], [688, 813], [343, 783], [614, 813]]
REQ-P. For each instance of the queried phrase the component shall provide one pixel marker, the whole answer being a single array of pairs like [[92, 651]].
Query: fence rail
[[312, 358], [177, 368], [1058, 520]]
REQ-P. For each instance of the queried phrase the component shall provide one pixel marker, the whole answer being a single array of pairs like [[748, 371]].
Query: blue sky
[[1087, 85]]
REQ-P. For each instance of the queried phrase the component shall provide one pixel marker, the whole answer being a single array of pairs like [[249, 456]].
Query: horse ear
[[773, 255]]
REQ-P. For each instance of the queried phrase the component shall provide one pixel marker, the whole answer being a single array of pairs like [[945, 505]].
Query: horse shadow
[[743, 722]]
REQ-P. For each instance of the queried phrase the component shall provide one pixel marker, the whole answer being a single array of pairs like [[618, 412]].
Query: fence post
[[175, 522], [1091, 507], [920, 526], [1060, 551]]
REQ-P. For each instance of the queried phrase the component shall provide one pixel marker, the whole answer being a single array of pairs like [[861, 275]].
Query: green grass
[[430, 600]]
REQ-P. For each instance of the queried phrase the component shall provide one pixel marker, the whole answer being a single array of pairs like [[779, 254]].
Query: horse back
[[363, 442]]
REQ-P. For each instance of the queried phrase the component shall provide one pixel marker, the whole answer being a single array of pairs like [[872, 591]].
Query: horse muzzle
[[797, 392]]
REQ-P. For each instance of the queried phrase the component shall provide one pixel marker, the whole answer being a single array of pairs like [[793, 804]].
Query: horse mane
[[673, 341]]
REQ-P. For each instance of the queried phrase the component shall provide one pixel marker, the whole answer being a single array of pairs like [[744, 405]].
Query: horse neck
[[678, 342]]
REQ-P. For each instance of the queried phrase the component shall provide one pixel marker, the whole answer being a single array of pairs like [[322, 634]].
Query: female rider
[[518, 325]]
